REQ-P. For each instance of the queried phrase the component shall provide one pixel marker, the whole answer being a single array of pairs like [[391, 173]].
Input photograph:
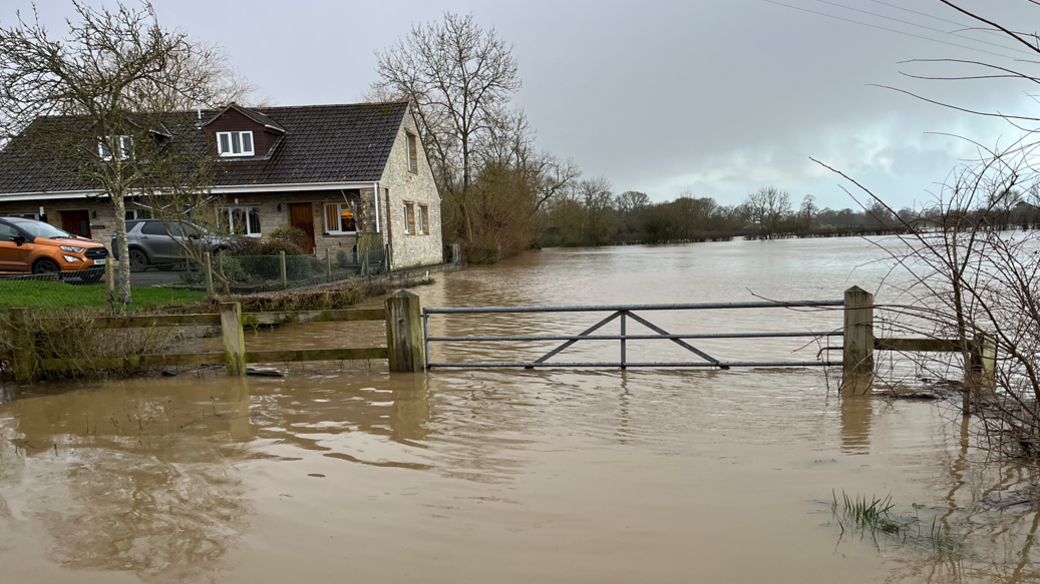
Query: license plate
[[99, 262]]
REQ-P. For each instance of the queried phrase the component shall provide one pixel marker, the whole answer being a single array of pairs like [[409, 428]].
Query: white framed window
[[413, 152], [409, 218], [126, 143], [235, 143], [341, 218], [424, 219], [243, 221], [35, 216]]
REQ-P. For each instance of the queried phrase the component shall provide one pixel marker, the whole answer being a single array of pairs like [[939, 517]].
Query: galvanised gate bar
[[625, 313]]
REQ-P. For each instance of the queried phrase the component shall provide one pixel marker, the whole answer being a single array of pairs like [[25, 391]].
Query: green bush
[[275, 247], [293, 235], [231, 267], [240, 245]]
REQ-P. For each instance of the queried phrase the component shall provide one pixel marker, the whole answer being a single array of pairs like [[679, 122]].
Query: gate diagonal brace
[[679, 342], [586, 332]]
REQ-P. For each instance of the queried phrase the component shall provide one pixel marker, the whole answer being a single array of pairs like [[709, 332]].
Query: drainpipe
[[375, 195]]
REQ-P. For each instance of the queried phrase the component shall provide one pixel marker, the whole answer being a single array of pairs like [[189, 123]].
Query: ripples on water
[[341, 473]]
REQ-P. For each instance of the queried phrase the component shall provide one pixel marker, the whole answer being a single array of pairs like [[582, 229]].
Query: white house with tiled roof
[[332, 171]]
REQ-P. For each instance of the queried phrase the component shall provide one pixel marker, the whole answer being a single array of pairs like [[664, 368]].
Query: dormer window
[[126, 143], [235, 143]]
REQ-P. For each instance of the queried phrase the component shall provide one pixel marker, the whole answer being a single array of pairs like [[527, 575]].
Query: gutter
[[228, 189]]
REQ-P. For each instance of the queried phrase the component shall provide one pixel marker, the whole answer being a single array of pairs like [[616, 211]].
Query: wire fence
[[185, 282], [262, 273]]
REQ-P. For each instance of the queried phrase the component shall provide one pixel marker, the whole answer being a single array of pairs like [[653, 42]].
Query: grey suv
[[149, 244]]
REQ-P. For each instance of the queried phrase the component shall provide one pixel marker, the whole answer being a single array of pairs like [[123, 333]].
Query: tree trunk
[[119, 208]]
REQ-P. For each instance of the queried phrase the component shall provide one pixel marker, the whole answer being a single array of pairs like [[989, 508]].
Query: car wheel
[[46, 267], [138, 260]]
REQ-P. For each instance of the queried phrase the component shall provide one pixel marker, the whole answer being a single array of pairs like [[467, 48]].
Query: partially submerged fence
[[625, 313], [408, 339], [856, 331], [25, 359]]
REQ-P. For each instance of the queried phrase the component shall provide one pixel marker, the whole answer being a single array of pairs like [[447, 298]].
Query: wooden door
[[302, 217], [76, 222]]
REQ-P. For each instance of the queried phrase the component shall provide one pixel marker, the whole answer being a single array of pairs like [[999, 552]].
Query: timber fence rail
[[401, 312]]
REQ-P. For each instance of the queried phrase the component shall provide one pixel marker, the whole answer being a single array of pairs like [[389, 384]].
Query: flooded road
[[342, 473]]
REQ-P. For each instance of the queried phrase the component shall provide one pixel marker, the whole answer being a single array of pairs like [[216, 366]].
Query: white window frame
[[231, 143], [126, 143], [424, 220], [340, 207], [408, 226], [35, 216], [412, 151], [245, 209]]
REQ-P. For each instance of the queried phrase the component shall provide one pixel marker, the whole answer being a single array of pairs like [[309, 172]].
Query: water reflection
[[122, 481], [856, 414]]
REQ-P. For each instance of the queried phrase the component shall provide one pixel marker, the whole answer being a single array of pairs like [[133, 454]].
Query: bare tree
[[460, 76], [111, 80], [767, 207]]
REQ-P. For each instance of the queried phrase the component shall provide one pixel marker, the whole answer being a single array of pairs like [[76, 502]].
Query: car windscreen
[[39, 228]]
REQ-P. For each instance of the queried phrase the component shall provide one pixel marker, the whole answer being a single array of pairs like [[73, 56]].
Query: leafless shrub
[[70, 334], [964, 280]]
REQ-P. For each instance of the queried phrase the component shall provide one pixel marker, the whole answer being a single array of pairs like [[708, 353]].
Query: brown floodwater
[[340, 472]]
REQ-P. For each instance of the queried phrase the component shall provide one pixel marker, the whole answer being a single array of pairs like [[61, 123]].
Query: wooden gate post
[[208, 261], [858, 358], [23, 354], [982, 371], [404, 336], [110, 284], [328, 266], [234, 339]]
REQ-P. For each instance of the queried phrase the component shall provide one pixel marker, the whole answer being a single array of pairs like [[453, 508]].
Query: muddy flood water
[[342, 473]]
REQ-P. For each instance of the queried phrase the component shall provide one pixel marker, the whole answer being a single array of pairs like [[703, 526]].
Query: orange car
[[34, 247]]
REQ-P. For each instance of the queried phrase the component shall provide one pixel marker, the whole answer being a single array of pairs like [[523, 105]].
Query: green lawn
[[61, 295]]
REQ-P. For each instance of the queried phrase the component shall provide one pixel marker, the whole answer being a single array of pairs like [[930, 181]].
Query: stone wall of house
[[418, 188]]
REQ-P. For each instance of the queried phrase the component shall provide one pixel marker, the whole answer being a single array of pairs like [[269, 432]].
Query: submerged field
[[339, 473]]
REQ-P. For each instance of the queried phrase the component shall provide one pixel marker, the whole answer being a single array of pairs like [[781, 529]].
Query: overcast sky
[[716, 97]]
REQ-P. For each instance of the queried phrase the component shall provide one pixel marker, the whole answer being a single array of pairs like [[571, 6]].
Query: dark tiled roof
[[322, 143]]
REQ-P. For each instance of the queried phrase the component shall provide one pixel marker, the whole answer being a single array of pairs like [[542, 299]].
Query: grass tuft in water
[[874, 518]]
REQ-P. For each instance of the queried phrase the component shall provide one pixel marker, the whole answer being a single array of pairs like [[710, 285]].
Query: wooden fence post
[[858, 358], [983, 362], [404, 336], [23, 354], [110, 285], [281, 259], [234, 339], [328, 265], [209, 274]]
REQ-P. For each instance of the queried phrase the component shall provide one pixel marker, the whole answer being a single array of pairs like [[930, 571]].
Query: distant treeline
[[590, 215]]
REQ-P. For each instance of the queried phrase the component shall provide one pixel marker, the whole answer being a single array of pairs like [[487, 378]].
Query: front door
[[76, 222], [302, 217]]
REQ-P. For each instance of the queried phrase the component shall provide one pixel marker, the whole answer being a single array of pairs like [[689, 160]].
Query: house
[[333, 171]]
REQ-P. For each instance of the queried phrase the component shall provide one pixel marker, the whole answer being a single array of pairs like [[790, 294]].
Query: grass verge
[[41, 294]]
